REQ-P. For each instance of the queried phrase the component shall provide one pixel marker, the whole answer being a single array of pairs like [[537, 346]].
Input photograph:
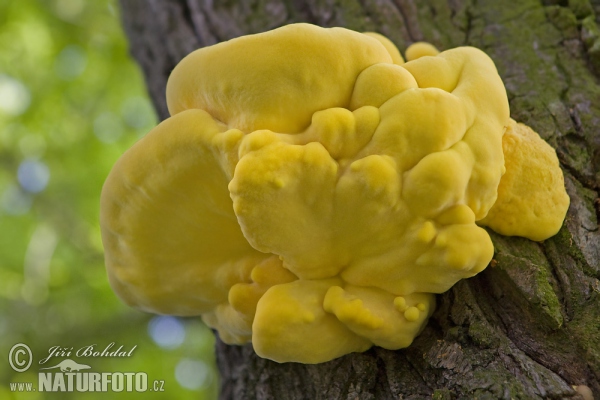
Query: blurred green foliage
[[71, 102]]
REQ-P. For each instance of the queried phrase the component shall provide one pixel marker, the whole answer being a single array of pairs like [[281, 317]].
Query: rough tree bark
[[528, 327]]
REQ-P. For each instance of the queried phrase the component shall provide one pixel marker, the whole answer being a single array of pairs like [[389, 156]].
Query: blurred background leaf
[[71, 102]]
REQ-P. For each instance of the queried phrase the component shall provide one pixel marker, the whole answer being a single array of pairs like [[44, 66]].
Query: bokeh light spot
[[108, 127], [70, 62], [33, 176], [138, 113], [15, 201], [168, 332], [193, 374], [14, 96], [68, 9]]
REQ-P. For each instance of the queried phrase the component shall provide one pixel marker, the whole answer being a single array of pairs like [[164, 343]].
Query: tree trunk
[[527, 327]]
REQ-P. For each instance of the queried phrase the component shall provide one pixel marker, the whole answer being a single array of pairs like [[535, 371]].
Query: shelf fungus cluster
[[312, 191]]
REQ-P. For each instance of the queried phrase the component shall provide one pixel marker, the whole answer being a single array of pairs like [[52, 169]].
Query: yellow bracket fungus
[[311, 191]]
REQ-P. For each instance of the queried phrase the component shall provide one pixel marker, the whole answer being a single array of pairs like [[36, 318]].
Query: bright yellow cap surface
[[311, 192], [274, 80], [532, 201], [420, 49]]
